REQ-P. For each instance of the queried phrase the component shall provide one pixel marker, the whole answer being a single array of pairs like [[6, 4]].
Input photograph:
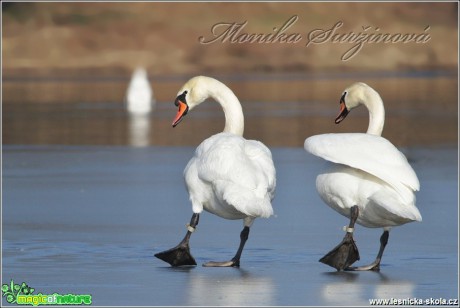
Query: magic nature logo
[[22, 294]]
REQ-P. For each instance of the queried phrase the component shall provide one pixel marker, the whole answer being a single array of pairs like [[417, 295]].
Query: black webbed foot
[[177, 256], [180, 255], [343, 255]]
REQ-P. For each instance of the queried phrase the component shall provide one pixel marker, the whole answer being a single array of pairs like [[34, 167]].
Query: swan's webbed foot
[[231, 263], [343, 255], [180, 255], [177, 256], [374, 266], [235, 261], [346, 253]]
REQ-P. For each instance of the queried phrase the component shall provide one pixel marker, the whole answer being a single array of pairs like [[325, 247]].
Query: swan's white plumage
[[139, 96], [366, 169], [231, 177], [228, 175], [372, 154]]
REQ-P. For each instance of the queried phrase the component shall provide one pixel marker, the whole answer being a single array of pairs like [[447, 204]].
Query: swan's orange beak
[[343, 111], [181, 112]]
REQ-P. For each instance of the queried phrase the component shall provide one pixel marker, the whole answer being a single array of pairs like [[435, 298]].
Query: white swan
[[139, 96], [369, 180], [228, 176]]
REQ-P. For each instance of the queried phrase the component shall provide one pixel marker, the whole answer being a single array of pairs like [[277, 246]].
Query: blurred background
[[68, 69]]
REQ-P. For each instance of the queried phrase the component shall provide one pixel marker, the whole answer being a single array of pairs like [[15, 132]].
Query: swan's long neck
[[374, 104], [234, 119]]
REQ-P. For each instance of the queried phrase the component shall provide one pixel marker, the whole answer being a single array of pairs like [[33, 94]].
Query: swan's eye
[[181, 98]]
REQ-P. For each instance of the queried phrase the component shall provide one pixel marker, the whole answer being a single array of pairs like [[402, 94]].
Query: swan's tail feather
[[405, 211], [245, 200]]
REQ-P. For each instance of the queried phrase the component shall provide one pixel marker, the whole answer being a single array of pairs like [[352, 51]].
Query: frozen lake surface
[[88, 220]]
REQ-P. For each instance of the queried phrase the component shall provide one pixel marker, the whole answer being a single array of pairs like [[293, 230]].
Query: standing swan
[[139, 96], [369, 180], [228, 176]]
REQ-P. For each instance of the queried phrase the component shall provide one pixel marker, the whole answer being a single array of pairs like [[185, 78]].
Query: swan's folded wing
[[261, 157], [242, 171], [372, 154]]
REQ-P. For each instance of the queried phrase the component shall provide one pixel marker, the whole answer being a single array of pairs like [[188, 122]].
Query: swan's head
[[192, 93], [352, 97]]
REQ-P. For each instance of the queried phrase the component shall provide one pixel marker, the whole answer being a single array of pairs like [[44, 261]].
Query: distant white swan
[[369, 180], [139, 96], [139, 102], [228, 176]]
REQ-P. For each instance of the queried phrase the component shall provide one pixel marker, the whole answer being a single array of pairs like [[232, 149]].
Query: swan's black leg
[[374, 266], [180, 255], [235, 261], [346, 253]]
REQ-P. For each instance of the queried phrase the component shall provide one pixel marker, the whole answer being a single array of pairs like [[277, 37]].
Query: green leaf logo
[[11, 291]]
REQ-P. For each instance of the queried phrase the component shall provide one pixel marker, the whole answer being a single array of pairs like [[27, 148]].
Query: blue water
[[88, 220]]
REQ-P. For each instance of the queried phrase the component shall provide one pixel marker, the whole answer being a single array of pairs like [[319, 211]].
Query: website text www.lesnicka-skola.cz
[[413, 301]]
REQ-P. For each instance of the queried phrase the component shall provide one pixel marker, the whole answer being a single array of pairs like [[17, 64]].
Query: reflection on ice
[[241, 289], [356, 288], [395, 289], [345, 292], [139, 130]]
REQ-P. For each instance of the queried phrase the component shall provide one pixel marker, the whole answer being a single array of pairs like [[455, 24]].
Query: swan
[[368, 179], [228, 176], [139, 96]]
